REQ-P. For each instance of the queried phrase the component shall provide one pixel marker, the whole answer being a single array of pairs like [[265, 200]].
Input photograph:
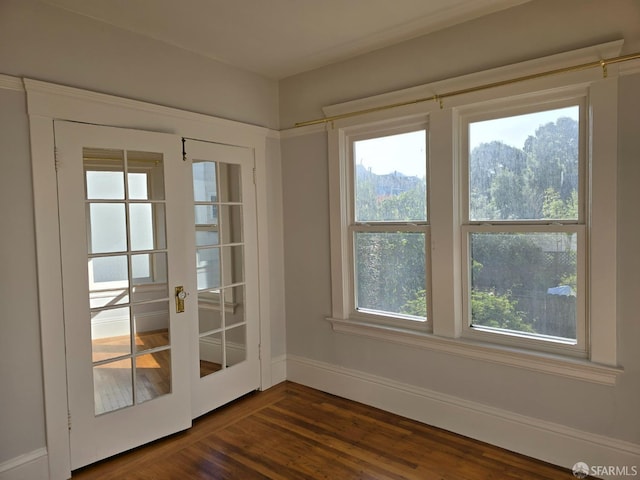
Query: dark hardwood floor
[[294, 432]]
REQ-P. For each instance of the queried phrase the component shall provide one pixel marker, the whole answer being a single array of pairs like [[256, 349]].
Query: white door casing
[[47, 102]]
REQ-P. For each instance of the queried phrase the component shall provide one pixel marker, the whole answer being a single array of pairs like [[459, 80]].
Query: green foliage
[[555, 207], [535, 182], [497, 311], [390, 269], [552, 156], [417, 306]]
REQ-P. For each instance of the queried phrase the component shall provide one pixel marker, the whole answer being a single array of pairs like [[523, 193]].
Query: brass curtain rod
[[439, 98]]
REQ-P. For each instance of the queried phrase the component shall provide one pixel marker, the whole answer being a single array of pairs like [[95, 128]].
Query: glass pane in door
[[127, 270], [219, 264], [112, 386]]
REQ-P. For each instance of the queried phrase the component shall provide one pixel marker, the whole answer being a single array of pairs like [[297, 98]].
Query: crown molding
[[8, 82]]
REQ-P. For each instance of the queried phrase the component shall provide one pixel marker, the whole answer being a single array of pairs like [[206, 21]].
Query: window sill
[[534, 361]]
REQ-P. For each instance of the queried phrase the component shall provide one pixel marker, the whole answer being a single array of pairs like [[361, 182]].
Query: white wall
[[22, 412], [46, 43], [532, 30], [276, 268]]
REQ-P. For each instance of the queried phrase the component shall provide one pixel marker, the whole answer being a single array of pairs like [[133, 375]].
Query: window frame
[[505, 108], [348, 200], [600, 364], [423, 227], [524, 340]]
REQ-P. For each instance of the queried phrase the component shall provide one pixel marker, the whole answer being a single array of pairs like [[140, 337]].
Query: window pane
[[234, 305], [524, 282], [525, 167], [206, 237], [153, 375], [138, 188], [204, 181], [230, 182], [147, 226], [110, 333], [105, 185], [107, 228], [211, 354], [391, 178], [149, 276], [152, 322], [104, 173], [390, 273], [236, 345], [112, 386], [145, 177], [108, 281], [208, 268], [209, 311]]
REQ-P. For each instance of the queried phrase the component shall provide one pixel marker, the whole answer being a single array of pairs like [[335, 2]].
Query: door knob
[[181, 294]]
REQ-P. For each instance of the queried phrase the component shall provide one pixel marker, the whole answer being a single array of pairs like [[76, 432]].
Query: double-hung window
[[523, 235], [388, 225], [484, 225]]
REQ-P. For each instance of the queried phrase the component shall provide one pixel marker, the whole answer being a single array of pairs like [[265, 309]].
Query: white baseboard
[[278, 369], [30, 466], [550, 442]]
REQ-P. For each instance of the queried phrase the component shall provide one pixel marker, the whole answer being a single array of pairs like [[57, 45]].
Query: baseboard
[[550, 442], [30, 466], [278, 369]]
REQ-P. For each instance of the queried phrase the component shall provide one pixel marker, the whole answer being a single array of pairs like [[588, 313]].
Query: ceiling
[[280, 38]]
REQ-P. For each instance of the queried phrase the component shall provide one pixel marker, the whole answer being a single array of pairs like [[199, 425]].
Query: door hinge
[[69, 420], [56, 161], [259, 351], [254, 175]]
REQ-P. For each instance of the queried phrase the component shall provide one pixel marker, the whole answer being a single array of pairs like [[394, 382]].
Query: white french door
[[225, 284], [159, 284]]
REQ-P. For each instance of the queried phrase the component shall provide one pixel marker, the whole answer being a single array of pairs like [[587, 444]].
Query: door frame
[[47, 102]]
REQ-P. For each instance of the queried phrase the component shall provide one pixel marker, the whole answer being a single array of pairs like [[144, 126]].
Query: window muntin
[[389, 230], [523, 226]]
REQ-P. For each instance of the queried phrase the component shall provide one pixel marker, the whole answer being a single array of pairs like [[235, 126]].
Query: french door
[[224, 244], [159, 289]]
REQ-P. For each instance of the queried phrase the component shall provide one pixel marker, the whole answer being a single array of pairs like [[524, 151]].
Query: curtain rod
[[439, 98]]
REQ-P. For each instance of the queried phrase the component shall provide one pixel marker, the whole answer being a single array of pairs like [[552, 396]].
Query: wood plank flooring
[[294, 432]]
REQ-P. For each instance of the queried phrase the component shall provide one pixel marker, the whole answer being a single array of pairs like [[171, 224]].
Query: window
[[523, 225], [516, 236], [388, 225]]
